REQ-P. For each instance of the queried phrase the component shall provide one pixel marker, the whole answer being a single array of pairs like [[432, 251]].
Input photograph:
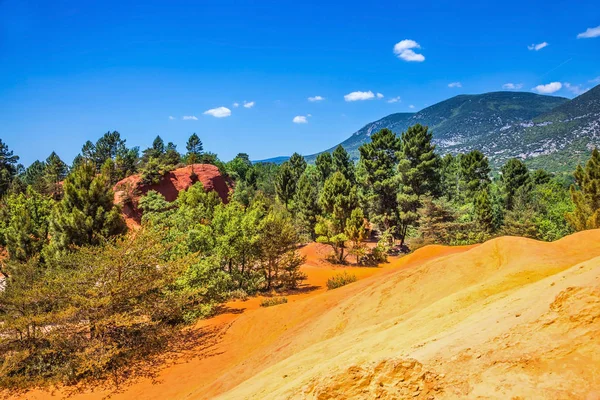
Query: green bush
[[273, 301], [339, 280]]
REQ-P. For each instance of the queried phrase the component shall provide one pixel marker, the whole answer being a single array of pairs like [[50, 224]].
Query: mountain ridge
[[503, 125]]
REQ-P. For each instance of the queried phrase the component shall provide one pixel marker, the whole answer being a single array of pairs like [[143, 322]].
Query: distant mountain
[[547, 131]]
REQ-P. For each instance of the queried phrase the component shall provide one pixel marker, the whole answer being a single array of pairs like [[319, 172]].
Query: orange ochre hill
[[169, 186], [512, 318]]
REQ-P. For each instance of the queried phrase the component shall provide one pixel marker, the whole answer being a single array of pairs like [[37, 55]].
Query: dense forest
[[83, 298]]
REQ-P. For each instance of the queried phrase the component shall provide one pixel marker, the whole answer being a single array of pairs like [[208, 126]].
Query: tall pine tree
[[586, 195]]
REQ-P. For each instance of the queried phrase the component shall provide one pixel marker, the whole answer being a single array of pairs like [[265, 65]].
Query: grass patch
[[273, 301], [339, 280]]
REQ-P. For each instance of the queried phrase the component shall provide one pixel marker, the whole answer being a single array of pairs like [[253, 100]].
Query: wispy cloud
[[300, 119], [575, 89], [411, 106], [590, 33], [171, 117], [236, 105], [355, 96], [219, 112], [394, 100], [548, 88], [537, 47], [512, 86], [380, 96], [248, 104], [404, 50], [455, 85], [190, 118], [316, 98], [595, 80]]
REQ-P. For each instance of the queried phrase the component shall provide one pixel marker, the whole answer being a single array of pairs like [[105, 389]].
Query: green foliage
[[515, 175], [586, 195], [108, 306], [8, 167], [475, 170], [378, 164], [306, 204], [340, 279], [86, 214], [27, 219], [152, 172], [194, 149], [285, 183], [418, 174], [342, 163], [484, 213], [273, 301], [324, 163]]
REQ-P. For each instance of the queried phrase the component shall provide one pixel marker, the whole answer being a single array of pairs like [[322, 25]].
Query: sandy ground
[[512, 318]]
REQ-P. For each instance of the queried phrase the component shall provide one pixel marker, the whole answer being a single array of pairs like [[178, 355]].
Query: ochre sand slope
[[511, 318]]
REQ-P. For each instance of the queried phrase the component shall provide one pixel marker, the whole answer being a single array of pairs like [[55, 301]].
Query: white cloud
[[379, 96], [403, 50], [590, 33], [538, 46], [190, 117], [309, 115], [394, 100], [236, 105], [171, 117], [248, 104], [595, 80], [354, 96], [549, 88], [300, 119], [219, 112], [411, 106], [316, 98], [455, 85], [512, 86], [575, 89]]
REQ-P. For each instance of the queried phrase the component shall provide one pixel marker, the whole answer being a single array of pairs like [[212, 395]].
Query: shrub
[[273, 301], [238, 294], [339, 280]]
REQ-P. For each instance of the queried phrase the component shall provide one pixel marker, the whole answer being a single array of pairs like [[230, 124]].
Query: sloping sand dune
[[511, 318]]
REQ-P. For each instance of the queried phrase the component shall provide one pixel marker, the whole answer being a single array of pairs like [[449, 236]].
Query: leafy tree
[[306, 203], [194, 149], [356, 233], [520, 220], [342, 163], [285, 184], [324, 163], [8, 167], [171, 158], [541, 177], [338, 199], [418, 174], [586, 195], [156, 151], [152, 171], [379, 160], [26, 231], [54, 172], [298, 165], [239, 167], [86, 214], [34, 176], [126, 162], [110, 145], [475, 170], [514, 176], [450, 177], [279, 260], [483, 210]]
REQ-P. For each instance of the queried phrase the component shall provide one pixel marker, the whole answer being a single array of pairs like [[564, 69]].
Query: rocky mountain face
[[547, 131]]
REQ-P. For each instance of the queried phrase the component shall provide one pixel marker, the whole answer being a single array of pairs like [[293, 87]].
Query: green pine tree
[[285, 184], [475, 171], [342, 163], [514, 176], [87, 213], [418, 174], [586, 195], [8, 167], [306, 205], [324, 164]]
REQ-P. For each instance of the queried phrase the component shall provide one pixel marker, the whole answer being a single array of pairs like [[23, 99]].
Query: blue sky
[[72, 70]]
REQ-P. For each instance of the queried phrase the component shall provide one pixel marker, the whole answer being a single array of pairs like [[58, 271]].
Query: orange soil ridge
[[511, 318]]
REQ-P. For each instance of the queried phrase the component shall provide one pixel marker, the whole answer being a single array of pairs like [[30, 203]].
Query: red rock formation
[[129, 190]]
